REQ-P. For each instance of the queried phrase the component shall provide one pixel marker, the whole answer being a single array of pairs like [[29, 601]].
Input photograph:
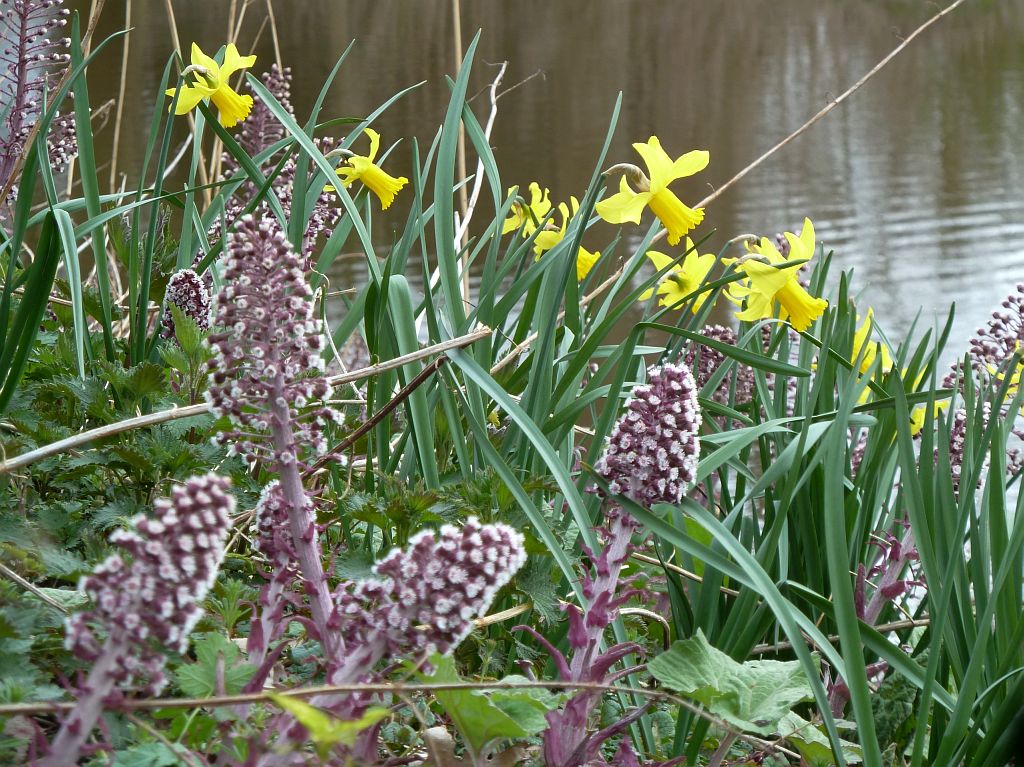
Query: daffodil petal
[[374, 143], [625, 205], [233, 61], [689, 163], [200, 59], [188, 99], [659, 164], [660, 260]]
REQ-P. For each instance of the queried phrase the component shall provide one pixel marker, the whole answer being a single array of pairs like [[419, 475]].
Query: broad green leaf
[[325, 730], [485, 716], [753, 696], [200, 679]]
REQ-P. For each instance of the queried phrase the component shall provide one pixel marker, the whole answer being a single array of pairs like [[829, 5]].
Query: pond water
[[917, 181]]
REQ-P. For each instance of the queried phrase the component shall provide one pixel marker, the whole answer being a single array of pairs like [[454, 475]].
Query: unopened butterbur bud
[[188, 292], [652, 452]]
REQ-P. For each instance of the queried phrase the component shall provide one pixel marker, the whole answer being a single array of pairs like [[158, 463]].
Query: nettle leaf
[[216, 658], [483, 716], [813, 745], [186, 332], [325, 730], [753, 696]]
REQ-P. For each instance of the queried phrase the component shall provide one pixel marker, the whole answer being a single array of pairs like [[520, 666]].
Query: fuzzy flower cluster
[[152, 601], [30, 52], [267, 367], [705, 361], [424, 599], [653, 449], [187, 291]]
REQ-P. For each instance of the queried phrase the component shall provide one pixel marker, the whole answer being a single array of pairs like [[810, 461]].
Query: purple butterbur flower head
[[154, 598], [424, 598], [31, 55], [995, 343], [145, 606], [267, 368], [705, 361], [652, 452], [187, 291], [259, 132]]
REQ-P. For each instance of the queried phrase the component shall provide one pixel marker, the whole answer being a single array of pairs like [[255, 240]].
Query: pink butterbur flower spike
[[146, 605], [266, 376], [651, 457], [420, 600]]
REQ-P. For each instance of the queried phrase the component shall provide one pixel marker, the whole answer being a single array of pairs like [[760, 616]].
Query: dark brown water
[[917, 181]]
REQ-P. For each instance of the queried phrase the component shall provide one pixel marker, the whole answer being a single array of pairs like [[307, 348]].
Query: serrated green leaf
[[200, 679], [753, 696]]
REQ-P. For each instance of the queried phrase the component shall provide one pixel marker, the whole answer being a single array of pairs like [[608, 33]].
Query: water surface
[[917, 181]]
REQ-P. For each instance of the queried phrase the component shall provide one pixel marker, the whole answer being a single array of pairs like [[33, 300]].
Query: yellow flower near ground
[[770, 281], [653, 192], [211, 81], [550, 237], [362, 168], [682, 278], [528, 217]]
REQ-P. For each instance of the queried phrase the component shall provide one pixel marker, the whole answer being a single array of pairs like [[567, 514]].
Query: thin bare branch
[[173, 414]]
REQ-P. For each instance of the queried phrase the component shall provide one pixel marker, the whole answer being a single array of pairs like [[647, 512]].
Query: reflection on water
[[918, 181]]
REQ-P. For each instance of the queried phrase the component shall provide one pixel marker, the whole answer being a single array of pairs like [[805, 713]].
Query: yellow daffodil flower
[[917, 415], [362, 168], [549, 237], [211, 81], [653, 192], [862, 340], [770, 280], [682, 278], [528, 217]]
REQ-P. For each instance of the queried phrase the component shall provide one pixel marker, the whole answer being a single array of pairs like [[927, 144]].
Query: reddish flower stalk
[[29, 54], [145, 606], [266, 375]]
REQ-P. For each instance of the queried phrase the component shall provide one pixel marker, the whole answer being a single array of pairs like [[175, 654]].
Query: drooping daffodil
[[653, 191], [549, 237], [528, 217], [771, 279], [682, 279], [363, 168], [211, 81]]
